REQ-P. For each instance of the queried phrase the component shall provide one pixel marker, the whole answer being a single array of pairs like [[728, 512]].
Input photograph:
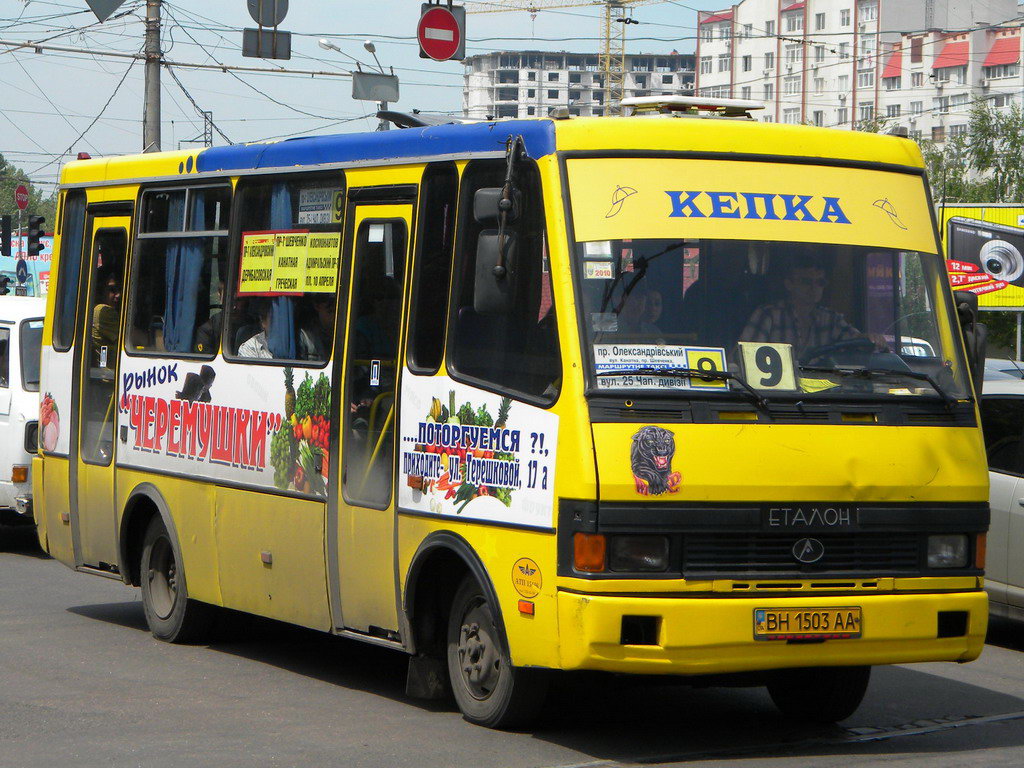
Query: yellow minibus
[[625, 394]]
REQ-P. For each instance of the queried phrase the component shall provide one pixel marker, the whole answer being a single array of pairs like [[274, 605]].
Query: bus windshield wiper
[[696, 373], [858, 372]]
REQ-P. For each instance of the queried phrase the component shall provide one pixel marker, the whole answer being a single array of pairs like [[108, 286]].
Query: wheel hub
[[479, 658], [163, 578]]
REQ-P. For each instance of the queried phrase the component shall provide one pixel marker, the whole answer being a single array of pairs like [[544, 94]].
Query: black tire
[[171, 615], [487, 688], [819, 694]]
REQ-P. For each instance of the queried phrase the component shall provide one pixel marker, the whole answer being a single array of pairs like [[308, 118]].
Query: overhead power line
[[95, 119], [202, 113]]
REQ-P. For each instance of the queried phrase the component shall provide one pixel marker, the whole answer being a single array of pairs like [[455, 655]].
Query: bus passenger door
[[363, 555], [93, 516]]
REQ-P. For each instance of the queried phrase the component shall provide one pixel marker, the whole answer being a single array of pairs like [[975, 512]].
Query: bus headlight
[[947, 551], [638, 553]]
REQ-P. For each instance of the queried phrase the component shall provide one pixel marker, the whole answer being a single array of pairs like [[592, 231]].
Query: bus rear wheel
[[819, 694], [171, 615], [487, 688]]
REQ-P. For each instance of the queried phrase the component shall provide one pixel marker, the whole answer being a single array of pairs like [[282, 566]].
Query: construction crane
[[617, 16]]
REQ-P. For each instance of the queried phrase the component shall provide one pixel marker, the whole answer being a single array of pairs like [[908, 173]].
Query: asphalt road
[[83, 683]]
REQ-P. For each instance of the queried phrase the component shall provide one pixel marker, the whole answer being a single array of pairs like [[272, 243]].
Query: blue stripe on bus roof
[[397, 144]]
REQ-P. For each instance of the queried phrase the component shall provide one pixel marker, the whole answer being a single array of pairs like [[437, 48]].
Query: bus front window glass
[[516, 350], [179, 271], [788, 318], [70, 268], [283, 300]]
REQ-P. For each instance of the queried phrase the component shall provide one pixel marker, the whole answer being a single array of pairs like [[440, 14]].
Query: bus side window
[[294, 325], [516, 351], [433, 267], [179, 267], [69, 269]]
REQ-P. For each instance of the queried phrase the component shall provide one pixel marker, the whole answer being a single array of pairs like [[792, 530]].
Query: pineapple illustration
[[289, 393], [506, 403]]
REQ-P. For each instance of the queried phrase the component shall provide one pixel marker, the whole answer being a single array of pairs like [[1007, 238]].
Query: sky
[[52, 98]]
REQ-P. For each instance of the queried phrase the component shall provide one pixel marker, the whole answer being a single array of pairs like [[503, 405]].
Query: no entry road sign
[[441, 32]]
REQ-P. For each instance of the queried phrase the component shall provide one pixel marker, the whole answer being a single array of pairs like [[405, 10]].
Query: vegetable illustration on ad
[[49, 422], [300, 449], [462, 453]]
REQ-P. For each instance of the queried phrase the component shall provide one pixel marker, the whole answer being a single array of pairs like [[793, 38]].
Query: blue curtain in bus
[[281, 338], [183, 272]]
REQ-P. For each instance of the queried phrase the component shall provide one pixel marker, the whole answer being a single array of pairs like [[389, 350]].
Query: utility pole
[[151, 109]]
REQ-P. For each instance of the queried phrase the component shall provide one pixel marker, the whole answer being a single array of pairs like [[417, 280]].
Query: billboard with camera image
[[987, 257]]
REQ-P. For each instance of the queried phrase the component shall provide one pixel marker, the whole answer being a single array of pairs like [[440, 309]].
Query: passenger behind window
[[208, 334], [257, 346], [179, 266], [106, 316], [289, 325], [317, 332]]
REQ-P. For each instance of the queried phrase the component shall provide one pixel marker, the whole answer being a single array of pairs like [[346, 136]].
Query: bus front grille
[[760, 553]]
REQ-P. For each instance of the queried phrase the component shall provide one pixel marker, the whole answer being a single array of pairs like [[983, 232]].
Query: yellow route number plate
[[806, 623]]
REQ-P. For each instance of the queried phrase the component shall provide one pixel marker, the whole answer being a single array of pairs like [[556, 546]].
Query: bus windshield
[[803, 319]]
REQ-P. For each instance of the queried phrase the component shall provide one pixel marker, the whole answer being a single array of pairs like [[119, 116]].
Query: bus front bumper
[[707, 635]]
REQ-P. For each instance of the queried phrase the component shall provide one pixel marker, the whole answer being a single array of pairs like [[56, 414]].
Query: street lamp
[[382, 106], [372, 49]]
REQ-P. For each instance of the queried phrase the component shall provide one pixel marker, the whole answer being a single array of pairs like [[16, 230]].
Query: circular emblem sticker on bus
[[808, 551], [526, 577]]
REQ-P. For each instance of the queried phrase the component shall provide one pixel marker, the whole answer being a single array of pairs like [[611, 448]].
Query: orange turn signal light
[[19, 474], [589, 552], [526, 607], [980, 547]]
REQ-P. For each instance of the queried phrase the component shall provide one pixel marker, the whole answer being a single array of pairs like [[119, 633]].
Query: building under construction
[[530, 83]]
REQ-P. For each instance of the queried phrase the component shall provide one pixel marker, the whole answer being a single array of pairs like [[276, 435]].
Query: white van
[[21, 333]]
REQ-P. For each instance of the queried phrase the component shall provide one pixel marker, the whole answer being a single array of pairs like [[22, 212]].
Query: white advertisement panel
[[467, 453], [255, 425]]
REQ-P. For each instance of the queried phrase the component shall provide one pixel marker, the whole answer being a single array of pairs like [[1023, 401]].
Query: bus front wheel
[[487, 688], [819, 694], [171, 615]]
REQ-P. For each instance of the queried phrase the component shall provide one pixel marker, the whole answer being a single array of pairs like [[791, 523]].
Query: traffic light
[[35, 233], [4, 290], [5, 236]]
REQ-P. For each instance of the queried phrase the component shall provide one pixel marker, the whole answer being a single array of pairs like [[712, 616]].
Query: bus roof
[[541, 136]]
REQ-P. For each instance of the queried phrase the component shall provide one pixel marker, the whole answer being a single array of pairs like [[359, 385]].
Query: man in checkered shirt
[[799, 319]]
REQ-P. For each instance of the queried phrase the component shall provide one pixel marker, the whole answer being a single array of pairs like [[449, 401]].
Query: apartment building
[[851, 63], [530, 83]]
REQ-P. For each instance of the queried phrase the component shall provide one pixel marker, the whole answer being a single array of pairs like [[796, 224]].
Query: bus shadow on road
[[1006, 634], [634, 720], [21, 540]]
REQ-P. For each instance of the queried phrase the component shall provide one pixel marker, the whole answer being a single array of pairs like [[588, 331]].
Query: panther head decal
[[651, 461]]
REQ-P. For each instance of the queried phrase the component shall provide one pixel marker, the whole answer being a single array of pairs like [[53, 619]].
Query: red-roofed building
[[847, 64]]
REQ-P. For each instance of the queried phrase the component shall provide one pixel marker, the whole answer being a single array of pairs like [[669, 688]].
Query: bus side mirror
[[975, 335], [488, 206], [495, 273]]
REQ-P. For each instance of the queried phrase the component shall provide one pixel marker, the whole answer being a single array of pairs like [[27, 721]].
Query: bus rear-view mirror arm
[[975, 335]]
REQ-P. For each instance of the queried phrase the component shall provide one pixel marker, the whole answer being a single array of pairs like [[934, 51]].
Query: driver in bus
[[799, 319]]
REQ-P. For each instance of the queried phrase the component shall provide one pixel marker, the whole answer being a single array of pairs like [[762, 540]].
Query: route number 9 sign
[[768, 366]]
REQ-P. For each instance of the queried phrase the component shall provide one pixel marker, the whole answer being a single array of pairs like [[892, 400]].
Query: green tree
[[985, 165], [38, 203]]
